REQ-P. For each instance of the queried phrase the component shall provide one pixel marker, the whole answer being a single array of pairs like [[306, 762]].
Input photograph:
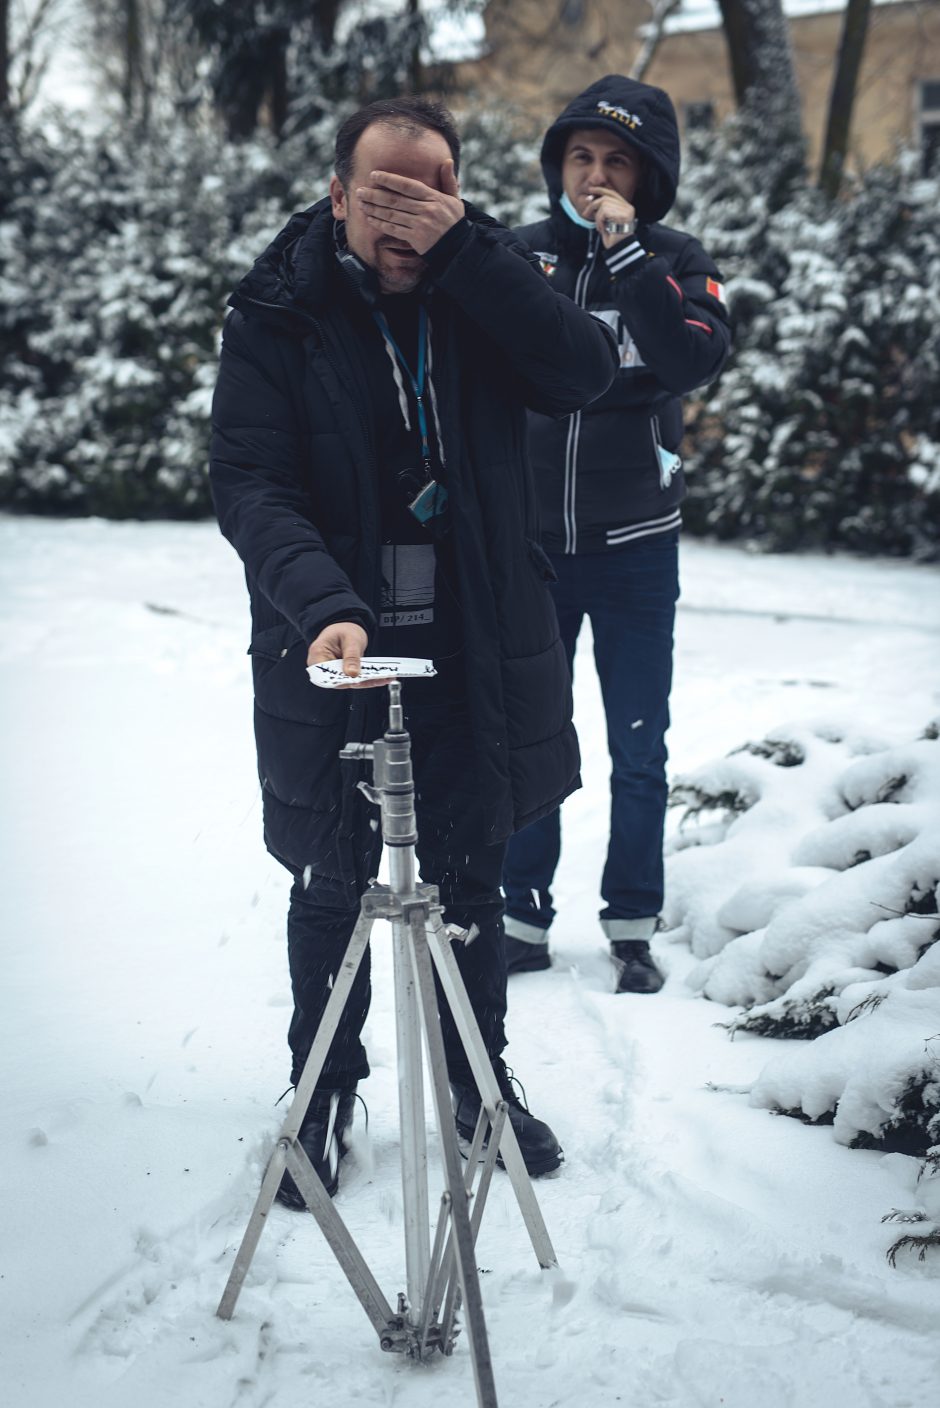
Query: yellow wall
[[903, 48]]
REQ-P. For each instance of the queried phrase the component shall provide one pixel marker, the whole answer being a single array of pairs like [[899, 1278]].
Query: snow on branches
[[805, 877]]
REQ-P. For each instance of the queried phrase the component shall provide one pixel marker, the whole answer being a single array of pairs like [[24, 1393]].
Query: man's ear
[[338, 198], [449, 183]]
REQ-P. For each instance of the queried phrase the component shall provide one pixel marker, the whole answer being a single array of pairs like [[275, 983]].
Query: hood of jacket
[[293, 274], [639, 114]]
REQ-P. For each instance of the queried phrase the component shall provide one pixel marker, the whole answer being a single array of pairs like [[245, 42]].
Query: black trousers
[[455, 854]]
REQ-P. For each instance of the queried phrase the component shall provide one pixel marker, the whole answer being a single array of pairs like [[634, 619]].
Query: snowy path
[[712, 1254]]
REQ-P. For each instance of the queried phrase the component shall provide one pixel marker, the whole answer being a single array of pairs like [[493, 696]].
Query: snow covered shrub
[[500, 169], [831, 936], [117, 257], [825, 427], [928, 1190]]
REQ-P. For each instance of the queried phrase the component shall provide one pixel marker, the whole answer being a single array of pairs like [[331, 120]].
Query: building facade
[[537, 55]]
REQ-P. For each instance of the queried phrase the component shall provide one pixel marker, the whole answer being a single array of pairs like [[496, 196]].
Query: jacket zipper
[[574, 424]]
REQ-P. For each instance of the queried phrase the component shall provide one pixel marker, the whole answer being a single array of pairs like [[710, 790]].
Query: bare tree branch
[[30, 52], [652, 34]]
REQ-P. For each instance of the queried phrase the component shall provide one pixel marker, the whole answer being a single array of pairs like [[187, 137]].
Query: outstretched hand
[[344, 640], [410, 211]]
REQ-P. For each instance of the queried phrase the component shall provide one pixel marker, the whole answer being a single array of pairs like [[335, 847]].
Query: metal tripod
[[442, 1275]]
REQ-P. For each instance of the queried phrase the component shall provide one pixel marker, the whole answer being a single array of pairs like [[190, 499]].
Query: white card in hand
[[373, 669]]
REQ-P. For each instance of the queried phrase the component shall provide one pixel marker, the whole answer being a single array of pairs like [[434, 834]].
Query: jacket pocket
[[282, 687], [541, 561], [273, 642]]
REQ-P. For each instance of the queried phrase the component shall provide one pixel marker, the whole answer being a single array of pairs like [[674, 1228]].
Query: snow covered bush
[[117, 253], [117, 258], [806, 876], [825, 427]]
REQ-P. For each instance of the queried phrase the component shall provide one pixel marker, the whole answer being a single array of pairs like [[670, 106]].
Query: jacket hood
[[639, 114], [291, 274]]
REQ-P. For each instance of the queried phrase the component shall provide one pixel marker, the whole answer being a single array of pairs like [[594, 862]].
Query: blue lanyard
[[417, 382]]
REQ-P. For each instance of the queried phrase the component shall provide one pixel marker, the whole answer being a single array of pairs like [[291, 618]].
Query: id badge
[[429, 503]]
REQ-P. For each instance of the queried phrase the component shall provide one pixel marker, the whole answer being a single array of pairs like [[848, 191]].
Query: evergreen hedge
[[117, 255], [824, 430]]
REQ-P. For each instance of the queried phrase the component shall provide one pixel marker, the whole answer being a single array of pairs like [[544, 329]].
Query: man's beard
[[395, 276]]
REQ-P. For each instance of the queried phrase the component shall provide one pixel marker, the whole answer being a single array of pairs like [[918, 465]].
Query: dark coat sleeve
[[674, 312], [255, 473], [561, 357]]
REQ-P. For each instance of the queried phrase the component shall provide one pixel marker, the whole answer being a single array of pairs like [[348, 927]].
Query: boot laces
[[508, 1081]]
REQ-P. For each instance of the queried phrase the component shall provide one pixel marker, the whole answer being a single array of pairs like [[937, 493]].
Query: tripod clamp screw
[[354, 751]]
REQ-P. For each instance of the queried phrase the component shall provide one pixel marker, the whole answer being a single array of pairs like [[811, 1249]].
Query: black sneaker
[[328, 1117], [526, 958], [540, 1149], [634, 967]]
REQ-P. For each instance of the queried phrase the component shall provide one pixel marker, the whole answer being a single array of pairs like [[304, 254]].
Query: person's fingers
[[320, 651], [345, 640], [374, 197], [402, 185], [390, 220], [353, 642]]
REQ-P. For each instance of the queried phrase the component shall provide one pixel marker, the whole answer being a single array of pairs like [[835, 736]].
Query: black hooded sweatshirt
[[610, 474]]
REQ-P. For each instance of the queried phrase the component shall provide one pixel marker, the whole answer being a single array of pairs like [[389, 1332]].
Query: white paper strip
[[372, 670]]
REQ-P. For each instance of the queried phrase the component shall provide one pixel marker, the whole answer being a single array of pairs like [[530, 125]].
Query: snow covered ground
[[712, 1254]]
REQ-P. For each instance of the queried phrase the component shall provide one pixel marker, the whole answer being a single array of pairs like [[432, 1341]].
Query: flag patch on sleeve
[[716, 290]]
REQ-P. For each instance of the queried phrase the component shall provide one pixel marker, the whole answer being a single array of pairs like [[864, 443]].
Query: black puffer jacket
[[601, 477], [293, 473]]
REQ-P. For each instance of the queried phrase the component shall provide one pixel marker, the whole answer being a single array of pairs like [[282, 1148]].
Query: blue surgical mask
[[572, 214]]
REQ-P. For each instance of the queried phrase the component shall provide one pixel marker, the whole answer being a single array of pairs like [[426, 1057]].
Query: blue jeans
[[630, 597]]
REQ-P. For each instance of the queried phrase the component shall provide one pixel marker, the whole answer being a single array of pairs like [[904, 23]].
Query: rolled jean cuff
[[618, 930], [525, 933]]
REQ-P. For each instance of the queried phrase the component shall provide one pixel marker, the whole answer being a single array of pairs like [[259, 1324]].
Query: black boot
[[329, 1115], [634, 966], [526, 958], [540, 1149]]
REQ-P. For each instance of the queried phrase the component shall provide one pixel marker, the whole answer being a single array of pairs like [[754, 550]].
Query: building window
[[929, 126], [699, 117]]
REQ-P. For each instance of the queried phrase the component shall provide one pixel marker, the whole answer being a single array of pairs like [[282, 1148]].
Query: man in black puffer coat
[[610, 484], [386, 346]]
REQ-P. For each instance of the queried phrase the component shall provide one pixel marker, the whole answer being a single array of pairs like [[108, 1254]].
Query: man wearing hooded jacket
[[385, 348], [609, 481]]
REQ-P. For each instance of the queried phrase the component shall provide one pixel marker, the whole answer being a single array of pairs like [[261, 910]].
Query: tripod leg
[[453, 1167], [439, 1256], [442, 1261], [243, 1257], [287, 1138], [414, 1149], [342, 985], [451, 1302], [480, 1064], [341, 1244]]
